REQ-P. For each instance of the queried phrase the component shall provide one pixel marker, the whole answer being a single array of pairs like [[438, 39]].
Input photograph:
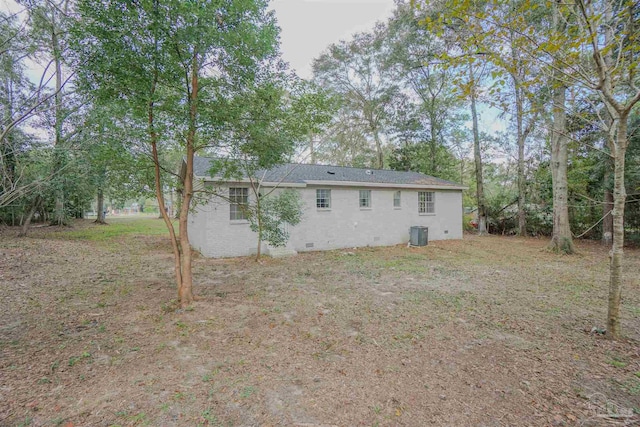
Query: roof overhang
[[219, 180], [307, 183]]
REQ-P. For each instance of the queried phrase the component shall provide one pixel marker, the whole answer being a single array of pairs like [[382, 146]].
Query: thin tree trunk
[[607, 208], [255, 189], [607, 222], [617, 249], [153, 136], [27, 221], [60, 217], [522, 218], [258, 250], [380, 158], [562, 240], [520, 135], [160, 197], [186, 291], [100, 208], [312, 151], [171, 208], [433, 143], [7, 153], [482, 213]]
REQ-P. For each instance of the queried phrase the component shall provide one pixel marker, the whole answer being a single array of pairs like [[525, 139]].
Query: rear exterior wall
[[344, 225]]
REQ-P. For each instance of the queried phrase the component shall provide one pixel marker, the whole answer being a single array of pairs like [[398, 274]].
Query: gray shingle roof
[[302, 173]]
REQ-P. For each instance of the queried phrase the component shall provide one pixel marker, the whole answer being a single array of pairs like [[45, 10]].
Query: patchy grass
[[116, 228], [482, 331]]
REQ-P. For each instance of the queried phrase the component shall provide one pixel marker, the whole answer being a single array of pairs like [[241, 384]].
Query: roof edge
[[307, 183], [293, 166]]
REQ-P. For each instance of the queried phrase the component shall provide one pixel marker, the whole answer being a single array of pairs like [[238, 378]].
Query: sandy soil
[[479, 332]]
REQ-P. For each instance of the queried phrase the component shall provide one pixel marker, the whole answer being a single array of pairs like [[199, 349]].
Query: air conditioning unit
[[418, 236]]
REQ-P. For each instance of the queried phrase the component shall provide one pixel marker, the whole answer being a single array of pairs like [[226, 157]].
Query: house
[[344, 207]]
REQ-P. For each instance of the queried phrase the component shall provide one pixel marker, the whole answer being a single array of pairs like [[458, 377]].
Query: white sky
[[9, 6], [310, 26]]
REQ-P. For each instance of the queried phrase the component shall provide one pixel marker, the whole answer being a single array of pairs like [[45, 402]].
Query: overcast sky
[[310, 26]]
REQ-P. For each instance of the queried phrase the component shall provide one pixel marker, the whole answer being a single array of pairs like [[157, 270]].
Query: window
[[396, 199], [365, 198], [426, 202], [238, 199], [323, 199]]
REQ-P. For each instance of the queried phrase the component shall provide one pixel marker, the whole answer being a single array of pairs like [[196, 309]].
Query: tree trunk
[[607, 207], [153, 136], [100, 208], [312, 151], [607, 222], [379, 152], [7, 152], [521, 135], [60, 217], [617, 251], [522, 218], [433, 143], [258, 250], [185, 293], [482, 213], [27, 221], [160, 197], [562, 240], [171, 208]]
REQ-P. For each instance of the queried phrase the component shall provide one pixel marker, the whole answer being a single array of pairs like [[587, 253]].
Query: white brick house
[[343, 207]]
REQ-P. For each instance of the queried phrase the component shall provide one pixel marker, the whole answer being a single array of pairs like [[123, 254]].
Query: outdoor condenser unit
[[418, 236]]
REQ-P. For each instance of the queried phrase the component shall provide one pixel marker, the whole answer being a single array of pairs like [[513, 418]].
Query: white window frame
[[364, 199], [397, 199], [323, 199], [426, 202], [236, 213]]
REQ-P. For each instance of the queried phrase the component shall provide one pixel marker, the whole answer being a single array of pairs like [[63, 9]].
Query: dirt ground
[[488, 331]]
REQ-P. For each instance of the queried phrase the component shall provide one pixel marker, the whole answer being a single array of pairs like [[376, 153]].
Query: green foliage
[[276, 210], [355, 73], [34, 172], [272, 118], [418, 158], [632, 178], [143, 35], [392, 94], [14, 94], [501, 211], [431, 115], [269, 120]]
